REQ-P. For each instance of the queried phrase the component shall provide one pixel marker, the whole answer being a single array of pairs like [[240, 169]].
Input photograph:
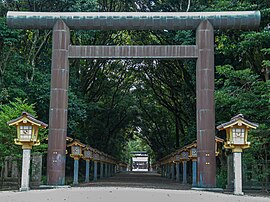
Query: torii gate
[[204, 23]]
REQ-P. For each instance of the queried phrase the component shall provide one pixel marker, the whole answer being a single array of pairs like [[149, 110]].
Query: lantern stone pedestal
[[194, 172], [87, 169], [237, 160], [184, 172], [177, 171], [168, 171], [106, 169], [87, 156], [76, 171], [172, 170], [101, 170], [95, 170], [25, 170]]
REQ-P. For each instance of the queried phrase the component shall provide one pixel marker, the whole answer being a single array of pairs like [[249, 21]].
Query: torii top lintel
[[238, 20]]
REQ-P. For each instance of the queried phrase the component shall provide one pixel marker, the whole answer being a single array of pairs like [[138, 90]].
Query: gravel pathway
[[121, 194], [126, 187], [139, 180]]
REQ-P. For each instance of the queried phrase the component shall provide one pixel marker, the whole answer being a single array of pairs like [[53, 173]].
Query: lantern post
[[193, 156], [76, 154], [102, 160], [177, 162], [236, 140], [27, 136], [96, 159], [106, 167], [87, 156], [184, 159]]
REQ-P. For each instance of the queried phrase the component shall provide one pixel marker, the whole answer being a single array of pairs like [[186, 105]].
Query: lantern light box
[[76, 149], [237, 132], [27, 129]]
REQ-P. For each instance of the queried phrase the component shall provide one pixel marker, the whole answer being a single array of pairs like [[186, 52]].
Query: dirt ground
[[127, 187], [121, 194], [139, 180]]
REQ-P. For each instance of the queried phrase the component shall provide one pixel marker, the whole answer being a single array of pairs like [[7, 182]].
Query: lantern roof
[[179, 151], [192, 145], [218, 139], [26, 117], [238, 119], [96, 151], [76, 143], [87, 147], [69, 139]]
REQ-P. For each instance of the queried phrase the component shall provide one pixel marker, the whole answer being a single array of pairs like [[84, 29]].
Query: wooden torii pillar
[[203, 22]]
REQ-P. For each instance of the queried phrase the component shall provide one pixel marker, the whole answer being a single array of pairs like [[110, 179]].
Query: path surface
[[126, 187], [139, 180], [121, 194]]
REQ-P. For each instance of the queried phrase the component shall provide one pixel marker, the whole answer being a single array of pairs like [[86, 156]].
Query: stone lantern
[[172, 161], [193, 156], [76, 154], [102, 160], [87, 153], [87, 156], [192, 149], [96, 159], [184, 158], [27, 136], [237, 140]]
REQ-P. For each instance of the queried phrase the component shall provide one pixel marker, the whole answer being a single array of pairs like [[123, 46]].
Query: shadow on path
[[138, 180]]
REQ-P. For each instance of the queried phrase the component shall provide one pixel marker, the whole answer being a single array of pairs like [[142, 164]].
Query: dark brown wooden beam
[[133, 52]]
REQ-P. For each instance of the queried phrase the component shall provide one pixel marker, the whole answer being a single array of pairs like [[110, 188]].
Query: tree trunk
[[177, 133], [188, 7]]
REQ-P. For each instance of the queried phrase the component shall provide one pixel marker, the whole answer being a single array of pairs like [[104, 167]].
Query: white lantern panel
[[87, 153], [96, 156], [25, 133], [76, 150], [238, 135], [177, 157], [194, 152], [184, 155]]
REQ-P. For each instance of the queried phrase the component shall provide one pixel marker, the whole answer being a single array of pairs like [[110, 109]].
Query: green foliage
[[8, 134], [222, 177], [138, 144], [241, 91]]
